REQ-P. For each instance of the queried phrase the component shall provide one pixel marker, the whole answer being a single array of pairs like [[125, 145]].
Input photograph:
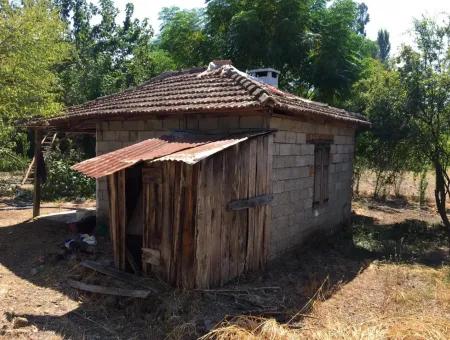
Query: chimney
[[266, 75]]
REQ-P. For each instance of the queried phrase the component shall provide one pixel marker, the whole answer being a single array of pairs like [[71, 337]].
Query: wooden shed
[[187, 166], [192, 209]]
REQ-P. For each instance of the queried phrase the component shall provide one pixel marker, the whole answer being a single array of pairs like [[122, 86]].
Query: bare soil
[[393, 258]]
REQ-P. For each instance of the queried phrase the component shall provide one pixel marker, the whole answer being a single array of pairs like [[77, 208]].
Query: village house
[[207, 173]]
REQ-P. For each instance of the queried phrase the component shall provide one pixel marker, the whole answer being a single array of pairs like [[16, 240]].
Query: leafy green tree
[[384, 45], [425, 75], [108, 56], [385, 148], [32, 45], [335, 59], [261, 33]]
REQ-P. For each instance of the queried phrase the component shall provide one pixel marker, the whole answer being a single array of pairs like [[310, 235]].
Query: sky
[[394, 15]]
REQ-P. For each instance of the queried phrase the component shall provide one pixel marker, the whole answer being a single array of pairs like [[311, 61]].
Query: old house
[[204, 174]]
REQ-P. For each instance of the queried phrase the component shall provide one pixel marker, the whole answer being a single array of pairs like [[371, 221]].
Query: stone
[[20, 322]]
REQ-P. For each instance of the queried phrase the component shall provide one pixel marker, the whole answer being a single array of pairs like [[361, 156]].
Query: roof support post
[[37, 178]]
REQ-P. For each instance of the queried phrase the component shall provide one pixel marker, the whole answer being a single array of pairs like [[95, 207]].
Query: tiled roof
[[224, 89], [183, 147]]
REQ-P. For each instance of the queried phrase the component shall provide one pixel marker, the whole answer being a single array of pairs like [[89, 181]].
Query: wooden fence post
[[37, 179]]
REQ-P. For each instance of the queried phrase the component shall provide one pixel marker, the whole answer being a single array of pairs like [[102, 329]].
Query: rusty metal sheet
[[184, 147]]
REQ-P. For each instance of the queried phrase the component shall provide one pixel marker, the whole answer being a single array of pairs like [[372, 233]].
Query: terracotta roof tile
[[200, 90]]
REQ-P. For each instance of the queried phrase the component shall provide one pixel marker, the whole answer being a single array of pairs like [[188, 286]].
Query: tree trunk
[[440, 194]]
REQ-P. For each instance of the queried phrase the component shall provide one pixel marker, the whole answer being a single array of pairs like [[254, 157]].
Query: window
[[261, 74], [321, 165]]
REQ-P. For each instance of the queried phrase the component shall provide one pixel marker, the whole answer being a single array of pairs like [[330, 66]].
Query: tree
[[182, 36], [362, 19], [384, 45], [425, 74], [32, 45], [335, 59], [261, 33], [108, 56], [385, 148]]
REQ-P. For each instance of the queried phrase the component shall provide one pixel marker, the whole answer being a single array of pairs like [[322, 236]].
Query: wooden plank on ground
[[117, 274], [134, 293]]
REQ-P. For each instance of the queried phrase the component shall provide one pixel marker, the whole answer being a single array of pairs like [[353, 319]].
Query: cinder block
[[153, 124], [123, 136], [291, 137], [116, 125], [110, 136], [143, 135], [279, 137], [252, 122], [208, 123], [231, 122], [171, 123], [301, 138], [307, 149], [133, 125]]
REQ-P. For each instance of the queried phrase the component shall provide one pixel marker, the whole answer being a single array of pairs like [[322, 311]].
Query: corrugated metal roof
[[182, 147]]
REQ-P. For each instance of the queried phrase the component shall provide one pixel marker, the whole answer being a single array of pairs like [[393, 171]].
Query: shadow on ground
[[31, 251]]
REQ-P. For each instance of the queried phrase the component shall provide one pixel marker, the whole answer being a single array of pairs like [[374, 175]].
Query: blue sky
[[394, 15]]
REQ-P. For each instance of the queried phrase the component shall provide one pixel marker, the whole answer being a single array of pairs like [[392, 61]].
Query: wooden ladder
[[46, 146]]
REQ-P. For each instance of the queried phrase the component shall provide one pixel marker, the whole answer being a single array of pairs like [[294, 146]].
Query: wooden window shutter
[[321, 173], [317, 174], [325, 167]]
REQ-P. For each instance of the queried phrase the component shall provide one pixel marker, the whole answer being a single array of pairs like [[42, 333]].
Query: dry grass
[[387, 301]]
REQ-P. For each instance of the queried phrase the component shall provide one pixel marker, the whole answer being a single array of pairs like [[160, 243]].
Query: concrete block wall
[[113, 135], [293, 216]]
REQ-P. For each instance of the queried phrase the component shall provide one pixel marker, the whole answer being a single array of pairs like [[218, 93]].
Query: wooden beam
[[37, 179], [250, 203]]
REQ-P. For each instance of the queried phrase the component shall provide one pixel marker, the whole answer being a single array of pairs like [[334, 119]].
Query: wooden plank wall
[[229, 243], [118, 215], [169, 190]]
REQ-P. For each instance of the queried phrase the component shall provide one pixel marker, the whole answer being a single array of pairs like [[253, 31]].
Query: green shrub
[[63, 182]]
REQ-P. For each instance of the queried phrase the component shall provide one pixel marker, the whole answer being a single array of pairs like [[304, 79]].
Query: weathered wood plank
[[250, 258], [134, 293], [122, 212], [216, 189], [243, 214], [37, 178], [202, 263], [177, 188], [112, 194], [233, 220], [117, 274], [268, 145], [152, 256], [188, 225]]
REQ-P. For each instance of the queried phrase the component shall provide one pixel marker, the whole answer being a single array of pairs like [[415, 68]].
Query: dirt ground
[[348, 276], [385, 277]]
